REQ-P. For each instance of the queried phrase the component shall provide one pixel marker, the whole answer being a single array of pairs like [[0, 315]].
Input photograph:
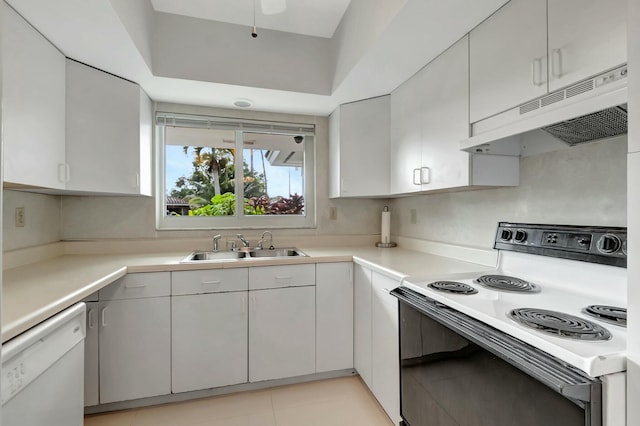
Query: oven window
[[447, 380]]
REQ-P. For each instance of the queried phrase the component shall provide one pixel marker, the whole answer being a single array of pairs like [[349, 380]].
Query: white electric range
[[555, 276]]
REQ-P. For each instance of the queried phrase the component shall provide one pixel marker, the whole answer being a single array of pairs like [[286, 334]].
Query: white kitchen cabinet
[[508, 58], [208, 340], [359, 148], [33, 116], [91, 356], [209, 328], [385, 360], [434, 160], [529, 48], [362, 323], [108, 131], [406, 135], [334, 316], [281, 333], [586, 37], [135, 346]]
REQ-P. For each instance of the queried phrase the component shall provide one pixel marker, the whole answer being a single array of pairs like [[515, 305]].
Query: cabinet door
[[91, 357], [446, 118], [33, 105], [282, 333], [208, 341], [135, 349], [406, 134], [385, 344], [334, 316], [362, 323], [103, 131], [364, 148], [586, 37], [508, 58]]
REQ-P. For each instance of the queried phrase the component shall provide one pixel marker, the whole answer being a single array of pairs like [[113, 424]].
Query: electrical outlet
[[20, 217], [414, 216], [333, 213]]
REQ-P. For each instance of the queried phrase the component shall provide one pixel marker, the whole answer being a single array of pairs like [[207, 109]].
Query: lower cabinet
[[135, 358], [334, 316], [209, 346], [385, 359], [131, 325], [91, 356], [376, 337], [282, 341], [209, 340]]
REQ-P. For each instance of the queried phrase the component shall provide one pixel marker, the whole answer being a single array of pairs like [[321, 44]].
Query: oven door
[[455, 370]]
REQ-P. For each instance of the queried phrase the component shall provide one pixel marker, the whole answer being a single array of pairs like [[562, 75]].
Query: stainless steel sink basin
[[204, 256], [243, 253], [278, 252]]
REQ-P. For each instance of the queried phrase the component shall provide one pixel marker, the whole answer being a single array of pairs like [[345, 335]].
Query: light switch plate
[[20, 217]]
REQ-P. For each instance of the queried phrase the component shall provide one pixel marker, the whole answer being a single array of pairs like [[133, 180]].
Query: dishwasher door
[[42, 373]]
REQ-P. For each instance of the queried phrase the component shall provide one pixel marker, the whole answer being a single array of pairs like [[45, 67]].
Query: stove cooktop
[[567, 289]]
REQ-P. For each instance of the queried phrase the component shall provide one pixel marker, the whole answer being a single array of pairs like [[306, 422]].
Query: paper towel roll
[[385, 232]]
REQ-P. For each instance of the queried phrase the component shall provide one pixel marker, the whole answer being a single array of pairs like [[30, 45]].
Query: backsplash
[[584, 185], [42, 219]]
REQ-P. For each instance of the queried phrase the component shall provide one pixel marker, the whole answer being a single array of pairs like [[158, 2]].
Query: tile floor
[[335, 402]]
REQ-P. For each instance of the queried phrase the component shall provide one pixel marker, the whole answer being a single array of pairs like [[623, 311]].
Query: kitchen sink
[[278, 252], [242, 253]]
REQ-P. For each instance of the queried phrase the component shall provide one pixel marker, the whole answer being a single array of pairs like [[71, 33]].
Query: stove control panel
[[606, 245]]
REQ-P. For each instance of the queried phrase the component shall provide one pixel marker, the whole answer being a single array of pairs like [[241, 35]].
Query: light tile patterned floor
[[336, 402]]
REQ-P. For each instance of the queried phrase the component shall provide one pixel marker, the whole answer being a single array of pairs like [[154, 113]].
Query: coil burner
[[559, 324], [504, 282], [610, 314], [452, 287]]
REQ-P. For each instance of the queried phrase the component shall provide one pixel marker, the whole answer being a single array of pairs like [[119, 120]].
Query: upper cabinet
[[586, 37], [531, 47], [33, 106], [429, 117], [108, 133], [359, 149], [508, 58]]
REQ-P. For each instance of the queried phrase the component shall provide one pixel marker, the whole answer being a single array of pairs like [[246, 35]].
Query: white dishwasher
[[42, 373]]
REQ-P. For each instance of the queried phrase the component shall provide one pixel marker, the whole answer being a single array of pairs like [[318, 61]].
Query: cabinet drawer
[[264, 277], [209, 281], [136, 286]]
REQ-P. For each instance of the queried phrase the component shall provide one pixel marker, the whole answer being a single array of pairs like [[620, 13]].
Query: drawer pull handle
[[90, 318], [243, 305], [283, 277], [103, 317], [212, 282], [132, 286]]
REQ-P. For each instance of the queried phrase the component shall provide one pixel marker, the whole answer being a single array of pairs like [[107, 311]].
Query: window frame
[[239, 221]]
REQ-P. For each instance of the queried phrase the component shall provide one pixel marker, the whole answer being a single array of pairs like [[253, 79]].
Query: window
[[230, 173]]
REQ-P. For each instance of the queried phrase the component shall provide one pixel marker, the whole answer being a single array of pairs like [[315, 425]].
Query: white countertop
[[37, 291]]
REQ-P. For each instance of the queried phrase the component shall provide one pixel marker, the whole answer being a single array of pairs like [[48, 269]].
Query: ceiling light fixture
[[273, 7], [243, 103]]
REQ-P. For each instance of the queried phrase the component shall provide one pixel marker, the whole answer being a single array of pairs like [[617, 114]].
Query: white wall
[[134, 217], [42, 213], [633, 325], [137, 17], [201, 50], [584, 185]]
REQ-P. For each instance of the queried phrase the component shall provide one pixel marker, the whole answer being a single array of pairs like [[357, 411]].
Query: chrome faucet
[[264, 240], [216, 238], [244, 240]]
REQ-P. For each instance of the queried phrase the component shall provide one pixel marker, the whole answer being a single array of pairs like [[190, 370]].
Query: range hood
[[593, 109]]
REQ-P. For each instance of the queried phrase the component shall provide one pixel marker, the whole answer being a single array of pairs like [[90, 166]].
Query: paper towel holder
[[385, 244]]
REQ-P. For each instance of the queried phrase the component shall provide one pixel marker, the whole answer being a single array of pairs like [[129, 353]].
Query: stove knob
[[608, 243], [506, 234], [521, 236]]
